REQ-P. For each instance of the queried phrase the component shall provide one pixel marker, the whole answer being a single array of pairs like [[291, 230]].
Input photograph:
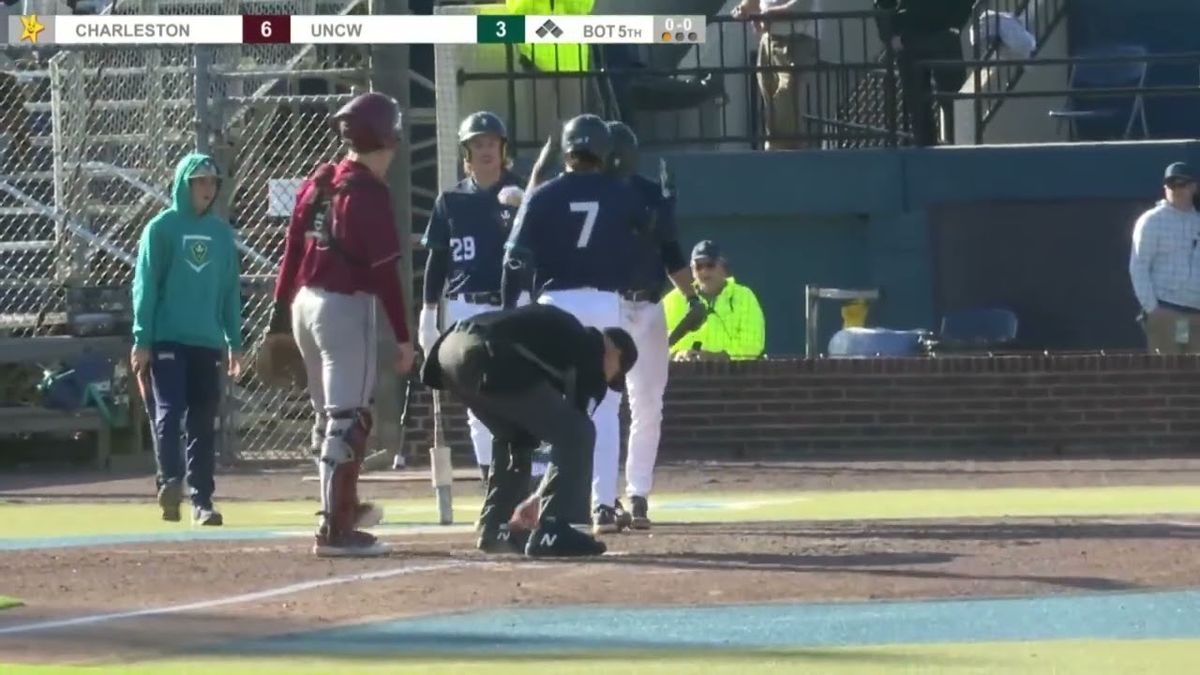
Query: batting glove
[[427, 328]]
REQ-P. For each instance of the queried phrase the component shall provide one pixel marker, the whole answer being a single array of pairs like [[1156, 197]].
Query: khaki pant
[[787, 94], [1161, 327]]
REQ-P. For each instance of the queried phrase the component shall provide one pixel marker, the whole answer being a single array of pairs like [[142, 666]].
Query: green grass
[[7, 602], [1083, 657], [51, 520]]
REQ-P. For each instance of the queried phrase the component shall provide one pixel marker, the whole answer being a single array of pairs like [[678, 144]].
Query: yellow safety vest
[[554, 58]]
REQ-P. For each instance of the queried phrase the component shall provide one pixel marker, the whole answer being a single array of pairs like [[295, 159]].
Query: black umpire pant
[[519, 422]]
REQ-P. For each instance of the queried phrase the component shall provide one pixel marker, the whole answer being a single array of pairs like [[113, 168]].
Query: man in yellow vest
[[564, 58], [735, 329]]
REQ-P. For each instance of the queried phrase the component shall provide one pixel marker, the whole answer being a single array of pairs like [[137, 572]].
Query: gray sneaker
[[170, 496], [207, 516]]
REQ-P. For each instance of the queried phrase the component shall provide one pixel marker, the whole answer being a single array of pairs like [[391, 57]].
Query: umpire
[[531, 375]]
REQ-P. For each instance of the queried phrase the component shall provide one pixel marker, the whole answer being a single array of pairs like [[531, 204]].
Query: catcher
[[340, 255]]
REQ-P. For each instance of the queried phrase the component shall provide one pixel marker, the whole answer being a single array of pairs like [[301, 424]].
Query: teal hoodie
[[185, 287]]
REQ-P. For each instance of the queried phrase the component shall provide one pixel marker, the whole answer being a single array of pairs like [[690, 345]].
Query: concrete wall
[[861, 218]]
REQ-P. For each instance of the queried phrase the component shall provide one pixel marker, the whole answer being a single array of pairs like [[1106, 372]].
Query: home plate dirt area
[[157, 598]]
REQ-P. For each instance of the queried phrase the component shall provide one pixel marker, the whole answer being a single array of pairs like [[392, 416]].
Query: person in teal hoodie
[[187, 324]]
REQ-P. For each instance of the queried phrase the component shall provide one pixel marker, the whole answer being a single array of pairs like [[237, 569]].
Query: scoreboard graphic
[[33, 30]]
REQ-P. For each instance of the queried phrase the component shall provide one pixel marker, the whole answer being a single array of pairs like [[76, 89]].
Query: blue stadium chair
[[1093, 118], [981, 329], [875, 342]]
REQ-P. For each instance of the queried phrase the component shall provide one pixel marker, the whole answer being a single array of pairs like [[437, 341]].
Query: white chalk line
[[236, 599]]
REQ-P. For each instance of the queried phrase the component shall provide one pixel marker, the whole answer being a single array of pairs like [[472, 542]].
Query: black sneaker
[[207, 516], [641, 513], [624, 518], [170, 497], [501, 540], [560, 540], [604, 520]]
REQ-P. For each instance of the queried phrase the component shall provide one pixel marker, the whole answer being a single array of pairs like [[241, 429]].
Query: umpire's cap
[[480, 123], [623, 157], [586, 135], [629, 355], [369, 122]]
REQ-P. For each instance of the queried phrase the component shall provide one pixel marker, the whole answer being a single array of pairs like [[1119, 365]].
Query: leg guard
[[342, 454], [320, 421]]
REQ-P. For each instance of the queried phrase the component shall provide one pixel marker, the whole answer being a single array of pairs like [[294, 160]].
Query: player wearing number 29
[[465, 238], [573, 244]]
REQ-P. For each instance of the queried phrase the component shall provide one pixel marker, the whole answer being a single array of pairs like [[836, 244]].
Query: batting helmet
[[586, 135], [369, 122], [623, 158], [479, 123]]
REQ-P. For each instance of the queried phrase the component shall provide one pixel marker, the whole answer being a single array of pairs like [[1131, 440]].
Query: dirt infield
[[677, 564]]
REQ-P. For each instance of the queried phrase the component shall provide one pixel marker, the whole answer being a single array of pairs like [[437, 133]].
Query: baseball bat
[[441, 468], [384, 460]]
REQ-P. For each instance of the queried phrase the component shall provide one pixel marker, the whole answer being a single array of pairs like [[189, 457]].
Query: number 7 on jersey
[[591, 211]]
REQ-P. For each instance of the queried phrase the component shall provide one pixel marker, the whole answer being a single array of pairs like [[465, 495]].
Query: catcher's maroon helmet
[[369, 122]]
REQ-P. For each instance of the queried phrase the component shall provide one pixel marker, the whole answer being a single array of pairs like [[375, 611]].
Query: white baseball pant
[[645, 386], [598, 309], [459, 310]]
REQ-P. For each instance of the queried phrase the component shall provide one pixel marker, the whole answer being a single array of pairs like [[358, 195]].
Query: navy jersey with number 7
[[579, 230]]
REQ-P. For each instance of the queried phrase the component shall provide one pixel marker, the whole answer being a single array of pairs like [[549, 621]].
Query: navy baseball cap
[[1179, 172], [629, 355], [706, 250]]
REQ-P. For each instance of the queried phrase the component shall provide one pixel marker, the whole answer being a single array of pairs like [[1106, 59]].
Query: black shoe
[[501, 540], [559, 540], [624, 518], [604, 520], [170, 497], [641, 513]]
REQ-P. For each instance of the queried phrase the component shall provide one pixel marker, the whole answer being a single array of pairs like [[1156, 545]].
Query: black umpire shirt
[[530, 345]]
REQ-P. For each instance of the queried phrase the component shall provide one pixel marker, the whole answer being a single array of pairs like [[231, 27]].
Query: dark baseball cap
[[629, 355], [1179, 172], [706, 250]]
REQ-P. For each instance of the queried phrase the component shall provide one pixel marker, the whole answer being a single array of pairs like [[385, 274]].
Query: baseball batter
[[465, 238], [657, 259], [340, 255], [573, 242]]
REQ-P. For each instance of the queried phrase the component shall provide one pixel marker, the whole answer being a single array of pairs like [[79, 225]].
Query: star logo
[[31, 28]]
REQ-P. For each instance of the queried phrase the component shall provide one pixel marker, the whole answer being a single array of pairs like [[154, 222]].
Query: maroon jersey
[[354, 250]]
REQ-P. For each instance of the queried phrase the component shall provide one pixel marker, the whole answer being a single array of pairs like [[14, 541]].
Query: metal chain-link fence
[[89, 139]]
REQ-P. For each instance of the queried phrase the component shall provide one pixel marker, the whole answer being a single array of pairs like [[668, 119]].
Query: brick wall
[[1023, 403]]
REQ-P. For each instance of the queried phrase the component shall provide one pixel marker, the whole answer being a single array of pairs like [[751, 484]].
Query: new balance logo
[[548, 540]]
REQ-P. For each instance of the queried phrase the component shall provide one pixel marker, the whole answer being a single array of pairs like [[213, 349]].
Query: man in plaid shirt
[[1164, 266]]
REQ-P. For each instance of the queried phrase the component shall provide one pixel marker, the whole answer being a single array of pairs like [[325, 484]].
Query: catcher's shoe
[[560, 540], [500, 539], [367, 515], [170, 498], [624, 517], [604, 520], [354, 544], [208, 516], [641, 513]]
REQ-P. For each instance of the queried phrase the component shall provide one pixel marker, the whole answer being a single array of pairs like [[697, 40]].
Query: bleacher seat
[[979, 329], [1093, 118]]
